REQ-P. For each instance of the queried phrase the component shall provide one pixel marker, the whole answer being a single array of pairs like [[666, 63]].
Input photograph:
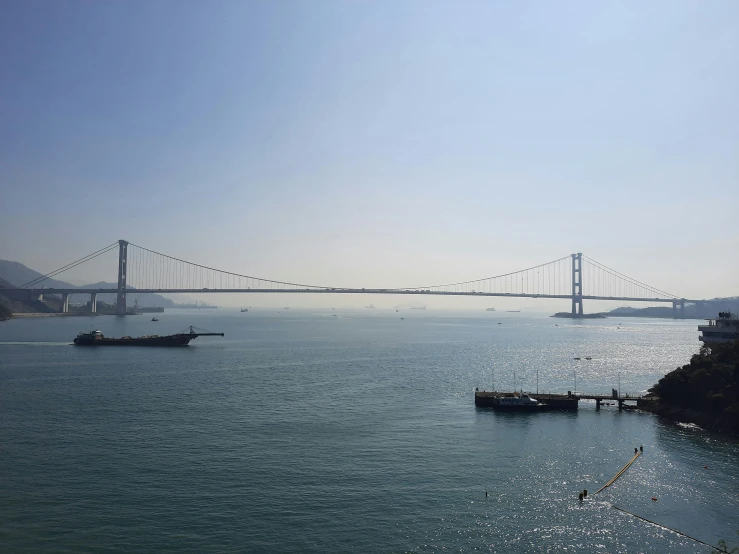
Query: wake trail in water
[[34, 343]]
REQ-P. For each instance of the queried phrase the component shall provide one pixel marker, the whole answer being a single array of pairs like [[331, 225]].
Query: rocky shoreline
[[678, 414], [704, 392]]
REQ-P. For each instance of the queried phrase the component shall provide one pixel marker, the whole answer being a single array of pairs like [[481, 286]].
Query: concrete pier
[[567, 401]]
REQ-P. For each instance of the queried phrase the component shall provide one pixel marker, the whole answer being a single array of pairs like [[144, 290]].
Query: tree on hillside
[[708, 384]]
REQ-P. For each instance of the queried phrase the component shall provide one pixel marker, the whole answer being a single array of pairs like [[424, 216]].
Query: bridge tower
[[577, 284], [122, 263]]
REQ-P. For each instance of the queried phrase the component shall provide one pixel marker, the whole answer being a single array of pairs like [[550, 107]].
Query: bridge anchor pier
[[64, 307], [93, 302], [681, 305]]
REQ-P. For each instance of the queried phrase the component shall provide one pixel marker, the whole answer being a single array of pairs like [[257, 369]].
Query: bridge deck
[[344, 291]]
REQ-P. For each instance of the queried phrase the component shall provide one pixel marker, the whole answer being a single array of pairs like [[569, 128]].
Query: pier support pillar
[[597, 403], [577, 285], [700, 308], [93, 302], [64, 307], [620, 404], [120, 307]]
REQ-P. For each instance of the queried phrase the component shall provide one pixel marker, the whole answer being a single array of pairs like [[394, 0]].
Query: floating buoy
[[580, 497], [705, 467], [654, 499]]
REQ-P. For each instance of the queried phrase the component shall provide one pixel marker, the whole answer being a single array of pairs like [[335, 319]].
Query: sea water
[[320, 431]]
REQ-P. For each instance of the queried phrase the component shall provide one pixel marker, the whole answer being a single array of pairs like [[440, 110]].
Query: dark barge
[[96, 338]]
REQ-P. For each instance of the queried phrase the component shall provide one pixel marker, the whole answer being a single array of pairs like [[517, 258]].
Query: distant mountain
[[15, 274], [18, 274], [709, 309]]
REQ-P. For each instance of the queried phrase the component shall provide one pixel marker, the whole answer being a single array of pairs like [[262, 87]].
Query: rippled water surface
[[304, 432]]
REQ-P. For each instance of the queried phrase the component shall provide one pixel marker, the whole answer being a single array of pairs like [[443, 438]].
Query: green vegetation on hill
[[705, 391]]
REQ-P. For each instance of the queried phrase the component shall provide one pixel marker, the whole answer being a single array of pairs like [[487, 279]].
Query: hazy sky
[[378, 143]]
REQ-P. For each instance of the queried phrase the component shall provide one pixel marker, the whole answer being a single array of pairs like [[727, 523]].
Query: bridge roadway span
[[420, 292]]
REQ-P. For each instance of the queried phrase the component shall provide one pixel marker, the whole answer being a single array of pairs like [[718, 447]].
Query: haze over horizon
[[375, 145]]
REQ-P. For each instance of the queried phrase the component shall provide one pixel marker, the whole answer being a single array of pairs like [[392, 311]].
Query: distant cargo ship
[[244, 310], [489, 309], [370, 306], [96, 338], [418, 307], [196, 306]]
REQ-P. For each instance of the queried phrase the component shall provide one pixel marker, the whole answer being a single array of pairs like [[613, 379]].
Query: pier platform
[[567, 401]]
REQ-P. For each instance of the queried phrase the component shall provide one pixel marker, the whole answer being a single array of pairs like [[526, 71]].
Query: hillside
[[18, 302], [5, 312], [19, 275], [705, 391]]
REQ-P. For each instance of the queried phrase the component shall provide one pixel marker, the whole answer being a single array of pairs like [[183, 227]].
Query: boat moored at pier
[[509, 402]]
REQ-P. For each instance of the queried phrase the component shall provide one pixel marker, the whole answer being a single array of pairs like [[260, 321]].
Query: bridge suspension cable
[[552, 278], [36, 281], [149, 269], [601, 280]]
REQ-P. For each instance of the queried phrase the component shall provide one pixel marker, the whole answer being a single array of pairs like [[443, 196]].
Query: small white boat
[[517, 402]]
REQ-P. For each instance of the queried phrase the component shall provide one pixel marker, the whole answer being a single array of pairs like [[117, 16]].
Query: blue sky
[[375, 144]]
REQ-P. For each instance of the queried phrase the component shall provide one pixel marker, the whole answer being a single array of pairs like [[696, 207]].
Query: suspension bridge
[[574, 278]]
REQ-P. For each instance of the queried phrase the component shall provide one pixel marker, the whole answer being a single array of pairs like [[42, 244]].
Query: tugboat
[[154, 319], [244, 310], [96, 338]]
